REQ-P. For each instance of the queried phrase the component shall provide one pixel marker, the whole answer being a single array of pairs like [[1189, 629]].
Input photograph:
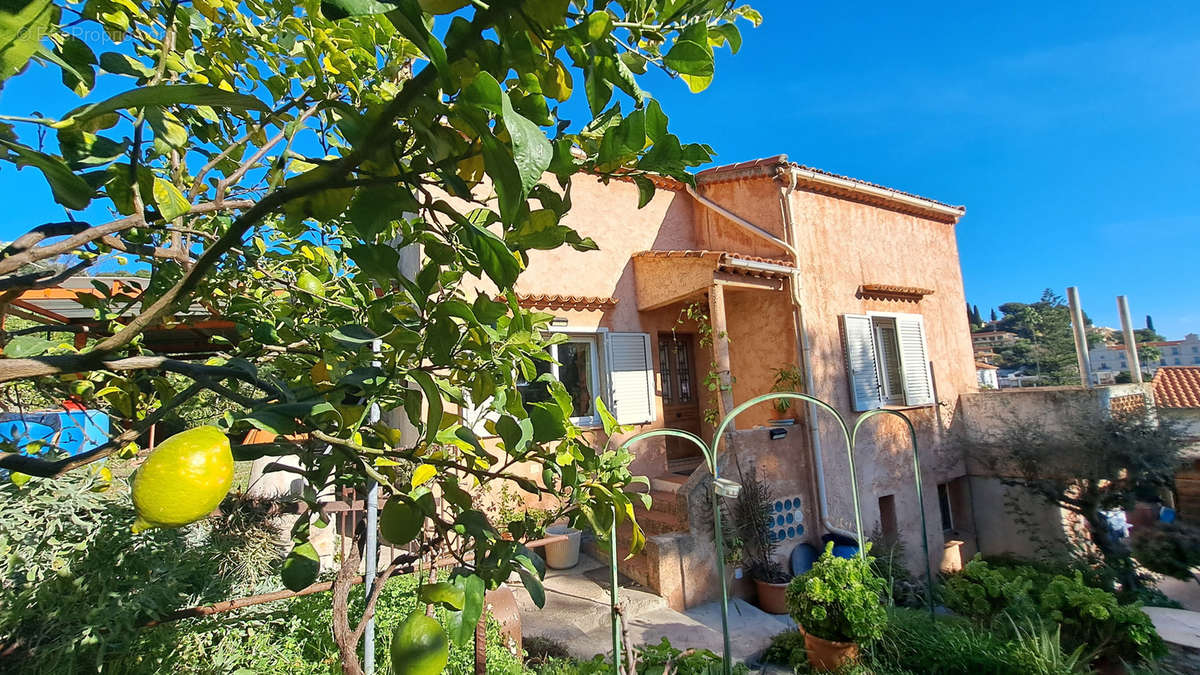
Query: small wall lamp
[[776, 433]]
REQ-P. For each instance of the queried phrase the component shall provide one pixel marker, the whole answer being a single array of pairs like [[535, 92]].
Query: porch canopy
[[666, 277]]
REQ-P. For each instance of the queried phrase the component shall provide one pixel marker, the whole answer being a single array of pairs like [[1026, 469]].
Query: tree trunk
[[343, 634], [1116, 555]]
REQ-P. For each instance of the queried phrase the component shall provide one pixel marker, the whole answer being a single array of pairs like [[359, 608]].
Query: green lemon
[[183, 479], [400, 522], [310, 284], [419, 646]]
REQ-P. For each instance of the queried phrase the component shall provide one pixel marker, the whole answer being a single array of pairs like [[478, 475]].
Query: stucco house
[[696, 301]]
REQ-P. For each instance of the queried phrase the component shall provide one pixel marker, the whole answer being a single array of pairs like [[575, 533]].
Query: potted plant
[[838, 606], [753, 517]]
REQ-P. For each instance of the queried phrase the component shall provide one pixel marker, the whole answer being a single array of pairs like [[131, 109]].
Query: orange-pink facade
[[855, 249]]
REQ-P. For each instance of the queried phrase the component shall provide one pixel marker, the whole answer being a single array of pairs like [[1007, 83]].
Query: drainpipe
[[803, 349], [804, 354]]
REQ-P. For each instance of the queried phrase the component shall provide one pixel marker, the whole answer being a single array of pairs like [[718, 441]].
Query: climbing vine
[[697, 312]]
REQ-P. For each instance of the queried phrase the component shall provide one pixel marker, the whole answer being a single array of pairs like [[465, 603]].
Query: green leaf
[[606, 418], [516, 434], [122, 64], [408, 18], [732, 36], [549, 423], [597, 25], [483, 92], [375, 207], [21, 33], [69, 189], [353, 334], [301, 567], [461, 625], [341, 9], [25, 346], [271, 421], [77, 61], [533, 586], [162, 95], [433, 398], [531, 149], [170, 201], [598, 90], [380, 262], [497, 261], [693, 62], [645, 190]]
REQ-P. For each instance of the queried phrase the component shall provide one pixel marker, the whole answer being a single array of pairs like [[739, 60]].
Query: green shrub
[[787, 649], [77, 585], [838, 599], [651, 660], [913, 642], [1090, 617]]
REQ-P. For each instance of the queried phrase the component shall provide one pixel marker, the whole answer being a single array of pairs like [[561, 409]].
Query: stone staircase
[[672, 553]]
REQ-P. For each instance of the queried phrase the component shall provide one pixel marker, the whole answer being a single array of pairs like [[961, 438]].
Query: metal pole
[[1081, 346], [1135, 364], [719, 537], [372, 543], [612, 593]]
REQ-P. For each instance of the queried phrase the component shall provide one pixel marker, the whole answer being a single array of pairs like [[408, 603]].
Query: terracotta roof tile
[[705, 253], [1177, 387], [769, 165], [554, 301]]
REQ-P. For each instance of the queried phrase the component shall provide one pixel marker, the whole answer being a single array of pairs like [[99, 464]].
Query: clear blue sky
[[1072, 136]]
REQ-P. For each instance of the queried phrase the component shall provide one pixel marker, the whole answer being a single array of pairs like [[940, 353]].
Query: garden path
[[577, 616]]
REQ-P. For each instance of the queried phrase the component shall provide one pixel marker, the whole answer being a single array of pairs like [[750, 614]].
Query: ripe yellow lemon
[[183, 479], [419, 646]]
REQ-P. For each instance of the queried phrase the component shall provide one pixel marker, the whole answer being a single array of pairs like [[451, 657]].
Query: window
[[613, 366], [1177, 360], [887, 360], [577, 366], [945, 507]]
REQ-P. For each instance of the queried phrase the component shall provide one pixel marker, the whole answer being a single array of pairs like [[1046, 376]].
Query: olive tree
[[268, 161]]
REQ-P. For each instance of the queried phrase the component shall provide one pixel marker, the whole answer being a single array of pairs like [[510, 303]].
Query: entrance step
[[684, 466], [670, 482]]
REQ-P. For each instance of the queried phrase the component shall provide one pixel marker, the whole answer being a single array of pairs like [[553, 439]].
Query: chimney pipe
[[1135, 365], [1081, 346]]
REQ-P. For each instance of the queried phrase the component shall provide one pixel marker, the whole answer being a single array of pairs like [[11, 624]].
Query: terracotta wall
[[609, 215], [842, 245]]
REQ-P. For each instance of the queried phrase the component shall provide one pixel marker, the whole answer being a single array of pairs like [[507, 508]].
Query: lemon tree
[[334, 178]]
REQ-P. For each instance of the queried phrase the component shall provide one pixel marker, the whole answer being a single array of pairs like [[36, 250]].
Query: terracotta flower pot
[[772, 598], [826, 655]]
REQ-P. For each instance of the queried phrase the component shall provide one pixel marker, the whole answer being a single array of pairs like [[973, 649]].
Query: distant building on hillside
[[1108, 360], [986, 374], [988, 340]]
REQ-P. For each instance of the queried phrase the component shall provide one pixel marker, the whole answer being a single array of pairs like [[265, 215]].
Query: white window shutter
[[860, 362], [914, 359], [631, 377]]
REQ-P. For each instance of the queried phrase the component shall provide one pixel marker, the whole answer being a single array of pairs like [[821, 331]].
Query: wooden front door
[[681, 399]]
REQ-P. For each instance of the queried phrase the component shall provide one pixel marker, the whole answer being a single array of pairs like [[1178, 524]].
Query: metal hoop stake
[[912, 432]]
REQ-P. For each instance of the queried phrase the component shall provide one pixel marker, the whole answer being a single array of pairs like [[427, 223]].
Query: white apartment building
[[1108, 360]]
